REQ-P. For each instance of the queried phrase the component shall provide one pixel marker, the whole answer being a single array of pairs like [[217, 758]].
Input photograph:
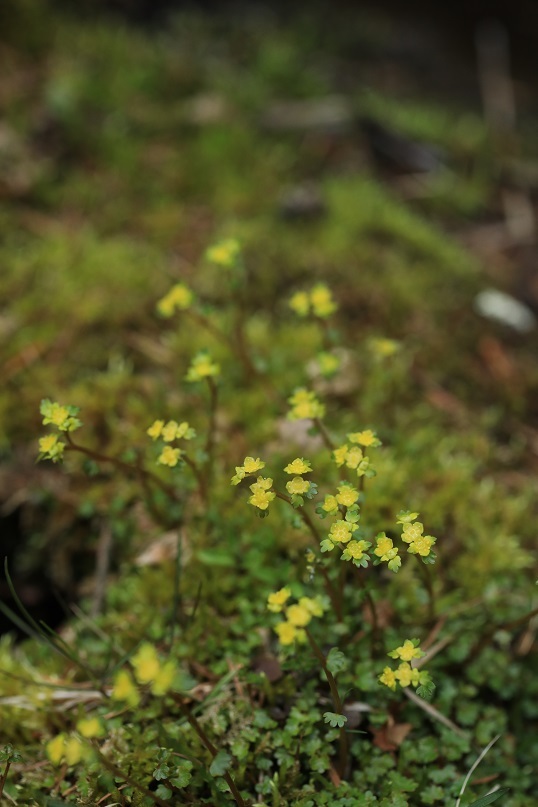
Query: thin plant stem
[[210, 441], [337, 703], [4, 777], [324, 434], [123, 466], [426, 576], [198, 475], [129, 779], [178, 613], [331, 591], [473, 767], [375, 635], [102, 568], [213, 750]]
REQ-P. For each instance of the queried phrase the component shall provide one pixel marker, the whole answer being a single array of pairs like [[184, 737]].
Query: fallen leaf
[[390, 736]]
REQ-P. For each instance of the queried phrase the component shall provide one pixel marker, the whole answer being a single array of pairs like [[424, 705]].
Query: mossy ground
[[127, 153]]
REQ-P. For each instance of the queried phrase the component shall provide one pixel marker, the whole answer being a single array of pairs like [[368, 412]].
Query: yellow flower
[[312, 604], [63, 417], [51, 447], [322, 302], [55, 748], [347, 495], [124, 689], [251, 465], [202, 366], [407, 651], [169, 456], [262, 495], [225, 253], [354, 457], [164, 679], [47, 443], [287, 633], [388, 678], [73, 750], [411, 532], [261, 499], [277, 600], [406, 675], [155, 429], [330, 504], [305, 405], [262, 483], [169, 432], [356, 549], [422, 545], [340, 532], [298, 615], [298, 466], [384, 347], [185, 432], [146, 663], [179, 298], [328, 363], [340, 455], [365, 438], [90, 727], [385, 548], [364, 466], [300, 303], [297, 486], [59, 415]]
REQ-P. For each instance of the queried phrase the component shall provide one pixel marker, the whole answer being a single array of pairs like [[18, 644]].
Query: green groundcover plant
[[313, 655]]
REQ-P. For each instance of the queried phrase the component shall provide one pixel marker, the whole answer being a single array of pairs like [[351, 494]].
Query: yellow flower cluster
[[351, 453], [148, 670], [68, 748], [225, 253], [298, 615], [328, 363], [51, 448], [386, 552], [169, 456], [305, 404], [262, 495], [250, 466], [341, 532], [366, 438], [412, 534], [298, 466], [202, 366], [168, 432], [65, 419], [405, 675], [383, 348], [356, 551], [354, 458], [179, 298], [298, 486], [318, 300]]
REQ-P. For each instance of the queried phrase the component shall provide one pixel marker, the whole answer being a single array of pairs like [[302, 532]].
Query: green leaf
[[491, 798], [334, 720], [220, 558], [326, 545], [336, 660], [164, 792], [426, 690], [182, 775], [162, 772], [220, 764]]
